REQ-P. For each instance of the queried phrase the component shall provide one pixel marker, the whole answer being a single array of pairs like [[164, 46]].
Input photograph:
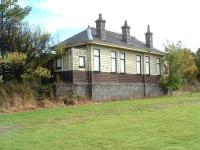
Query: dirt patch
[[6, 129]]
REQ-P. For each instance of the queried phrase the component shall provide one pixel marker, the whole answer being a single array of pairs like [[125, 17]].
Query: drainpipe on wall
[[89, 71], [62, 68], [144, 75]]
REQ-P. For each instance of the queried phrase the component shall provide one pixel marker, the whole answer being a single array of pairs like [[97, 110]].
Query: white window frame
[[97, 56], [124, 62], [147, 65], [138, 70], [59, 62], [158, 65], [113, 60], [81, 61]]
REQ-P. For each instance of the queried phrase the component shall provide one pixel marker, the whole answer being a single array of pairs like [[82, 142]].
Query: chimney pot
[[126, 32], [100, 27], [149, 38]]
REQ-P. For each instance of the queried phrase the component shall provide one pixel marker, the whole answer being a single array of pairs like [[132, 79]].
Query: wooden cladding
[[80, 76], [106, 77], [124, 78]]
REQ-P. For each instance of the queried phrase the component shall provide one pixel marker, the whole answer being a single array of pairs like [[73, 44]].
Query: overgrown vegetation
[[24, 50], [16, 97], [23, 96], [24, 53], [181, 67], [197, 59]]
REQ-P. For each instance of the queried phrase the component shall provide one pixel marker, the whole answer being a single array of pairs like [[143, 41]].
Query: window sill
[[81, 66], [113, 72]]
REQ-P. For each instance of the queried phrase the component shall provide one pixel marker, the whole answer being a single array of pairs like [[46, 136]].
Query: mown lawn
[[164, 123]]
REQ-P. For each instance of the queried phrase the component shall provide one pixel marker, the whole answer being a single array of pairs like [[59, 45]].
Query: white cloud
[[172, 19]]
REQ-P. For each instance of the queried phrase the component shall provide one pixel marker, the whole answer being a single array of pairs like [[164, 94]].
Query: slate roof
[[114, 38]]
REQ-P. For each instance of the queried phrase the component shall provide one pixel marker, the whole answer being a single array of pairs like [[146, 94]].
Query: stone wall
[[124, 91], [81, 90], [109, 91], [63, 89]]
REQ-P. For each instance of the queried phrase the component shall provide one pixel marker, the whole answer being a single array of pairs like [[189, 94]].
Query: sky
[[173, 20]]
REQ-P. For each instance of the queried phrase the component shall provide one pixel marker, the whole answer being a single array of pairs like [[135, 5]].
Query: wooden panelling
[[153, 79], [105, 77], [80, 76]]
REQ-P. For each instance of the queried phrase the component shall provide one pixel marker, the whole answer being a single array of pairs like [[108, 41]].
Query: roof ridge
[[114, 32]]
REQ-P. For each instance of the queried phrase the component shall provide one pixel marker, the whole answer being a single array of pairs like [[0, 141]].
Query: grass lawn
[[163, 123]]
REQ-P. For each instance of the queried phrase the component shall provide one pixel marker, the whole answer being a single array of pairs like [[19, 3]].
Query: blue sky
[[173, 20], [41, 17]]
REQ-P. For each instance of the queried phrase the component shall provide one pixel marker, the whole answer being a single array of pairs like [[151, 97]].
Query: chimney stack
[[100, 27], [149, 38], [126, 32]]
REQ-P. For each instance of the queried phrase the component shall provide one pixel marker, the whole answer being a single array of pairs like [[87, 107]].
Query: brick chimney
[[100, 27], [126, 32], [149, 38]]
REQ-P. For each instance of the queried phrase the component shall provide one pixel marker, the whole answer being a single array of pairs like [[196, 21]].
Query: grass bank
[[167, 123]]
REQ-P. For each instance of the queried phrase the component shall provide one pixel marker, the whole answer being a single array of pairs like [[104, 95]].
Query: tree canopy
[[198, 62], [188, 66], [24, 51], [180, 64], [172, 61]]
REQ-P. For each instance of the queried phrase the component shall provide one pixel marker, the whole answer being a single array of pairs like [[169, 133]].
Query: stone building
[[104, 65]]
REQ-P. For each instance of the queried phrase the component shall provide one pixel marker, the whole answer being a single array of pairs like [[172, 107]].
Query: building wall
[[105, 85], [71, 60], [76, 53], [109, 91], [67, 62], [130, 60]]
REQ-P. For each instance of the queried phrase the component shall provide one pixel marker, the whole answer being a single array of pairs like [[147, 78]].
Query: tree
[[34, 47], [172, 60], [198, 62], [188, 66], [11, 16], [24, 50]]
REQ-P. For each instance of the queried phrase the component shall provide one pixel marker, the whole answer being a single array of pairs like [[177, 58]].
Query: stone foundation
[[109, 91]]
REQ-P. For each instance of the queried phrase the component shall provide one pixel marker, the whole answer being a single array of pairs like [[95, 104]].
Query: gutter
[[114, 46]]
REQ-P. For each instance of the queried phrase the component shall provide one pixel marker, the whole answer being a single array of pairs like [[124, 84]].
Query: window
[[81, 61], [138, 66], [113, 62], [58, 63], [147, 65], [96, 60], [158, 66], [122, 62]]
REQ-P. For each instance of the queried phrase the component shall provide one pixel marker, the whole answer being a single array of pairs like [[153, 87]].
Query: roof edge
[[115, 46]]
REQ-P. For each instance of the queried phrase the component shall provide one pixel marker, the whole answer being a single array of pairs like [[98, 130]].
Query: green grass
[[163, 123]]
